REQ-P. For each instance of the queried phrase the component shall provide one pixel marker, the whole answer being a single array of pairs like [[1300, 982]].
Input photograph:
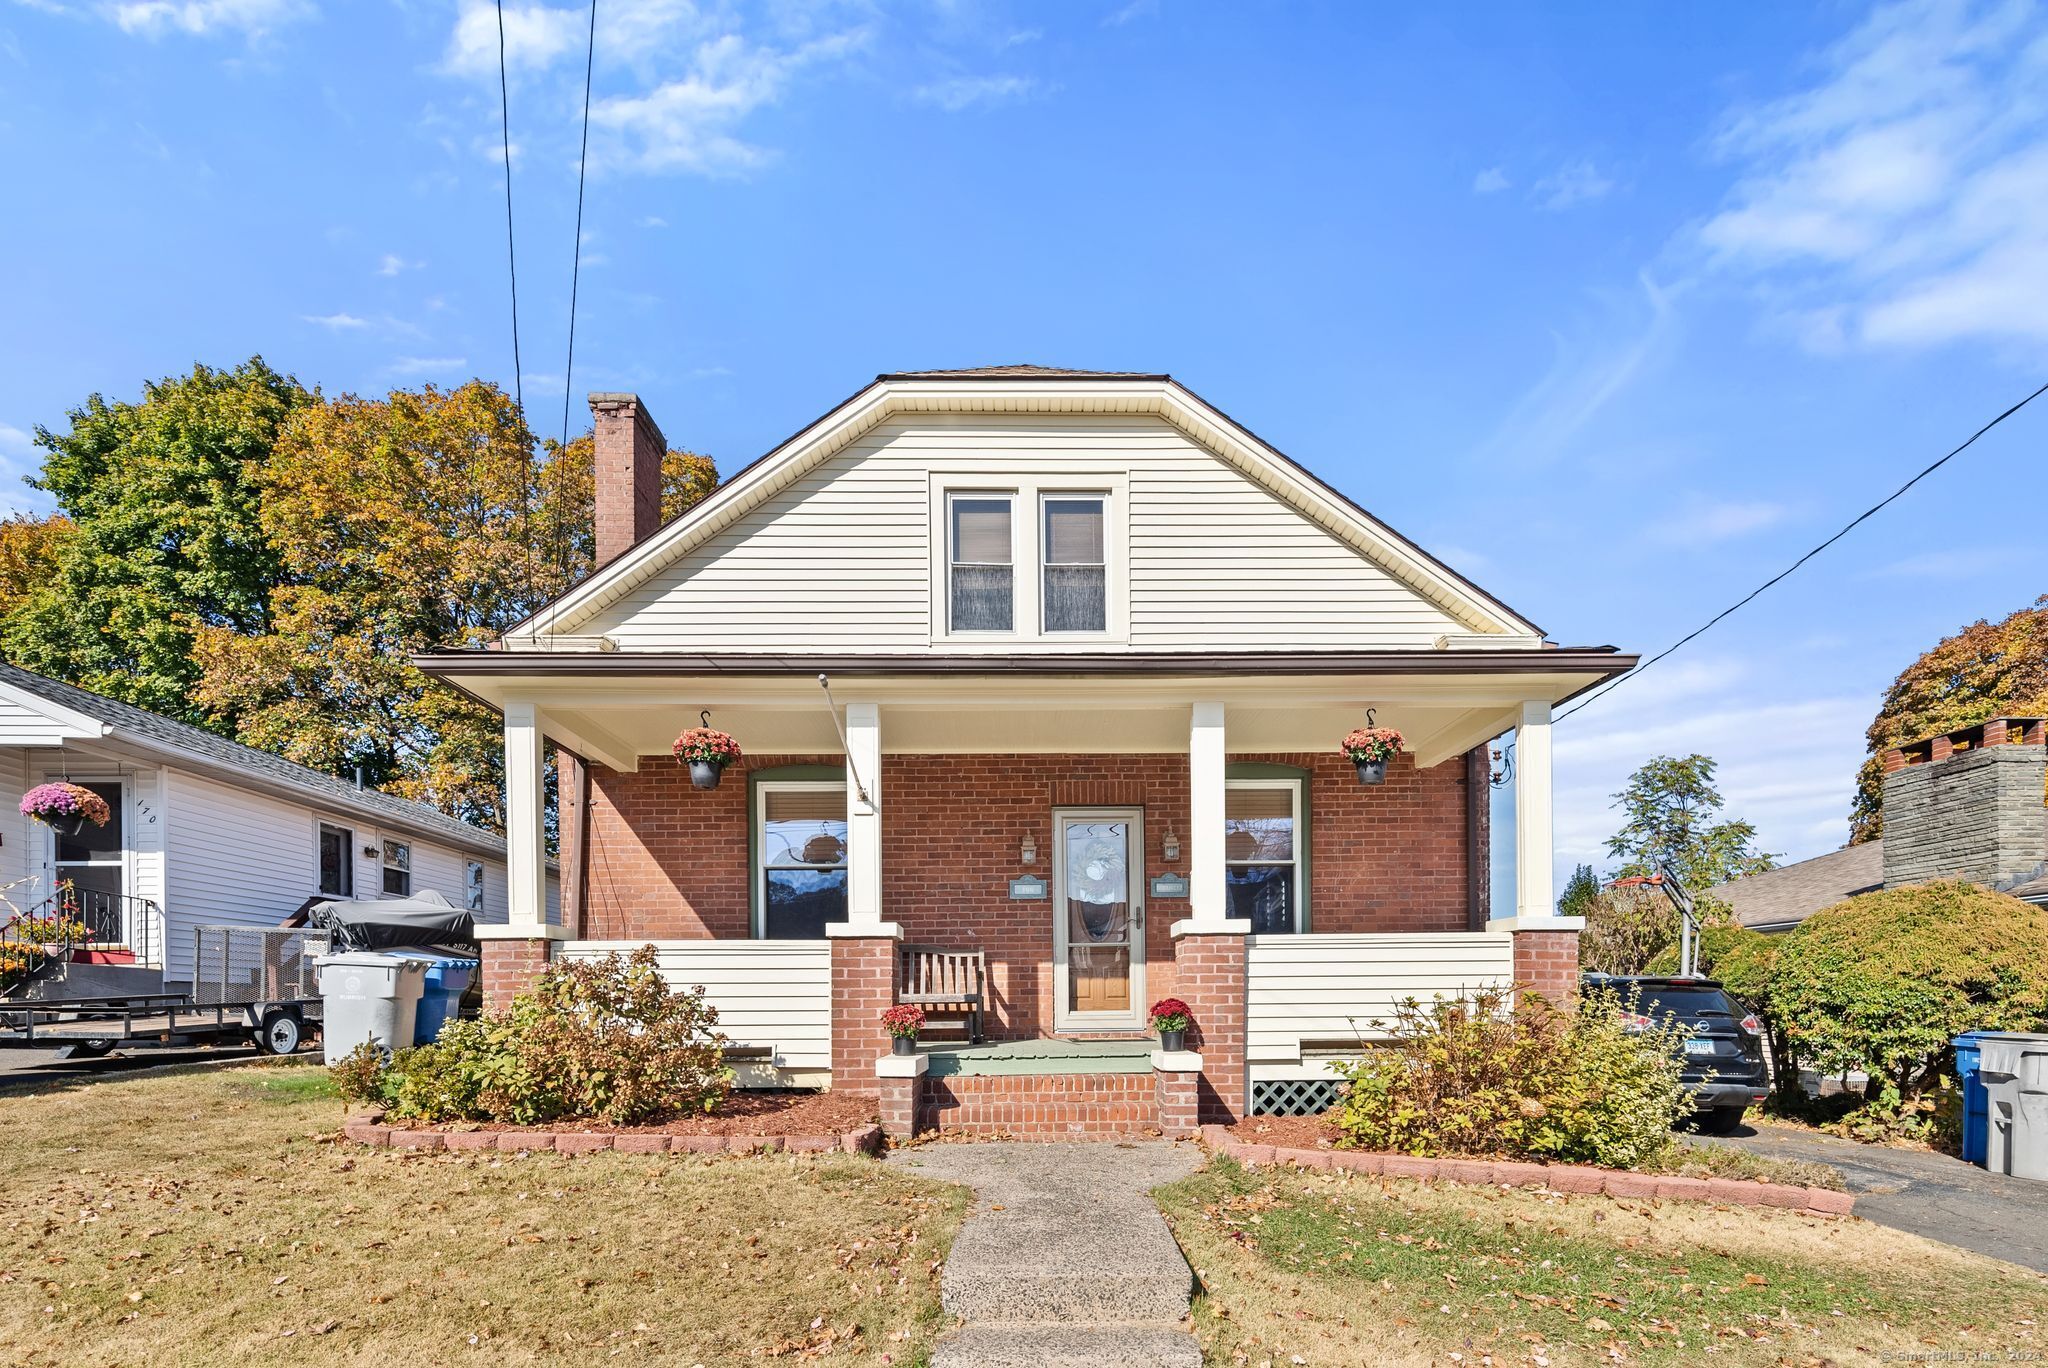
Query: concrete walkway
[[1063, 1262], [1921, 1192]]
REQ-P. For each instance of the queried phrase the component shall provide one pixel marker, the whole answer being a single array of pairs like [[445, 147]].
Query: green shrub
[[601, 1040], [1883, 983], [1590, 1085]]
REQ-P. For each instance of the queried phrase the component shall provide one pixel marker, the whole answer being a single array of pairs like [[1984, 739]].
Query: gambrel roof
[[1021, 389]]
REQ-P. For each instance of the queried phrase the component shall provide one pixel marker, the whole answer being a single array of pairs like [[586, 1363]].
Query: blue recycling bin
[[1976, 1102], [447, 977]]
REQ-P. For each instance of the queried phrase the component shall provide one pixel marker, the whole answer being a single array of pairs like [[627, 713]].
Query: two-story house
[[1043, 673]]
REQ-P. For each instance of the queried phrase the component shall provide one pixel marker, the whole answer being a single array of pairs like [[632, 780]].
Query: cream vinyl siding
[[1334, 987], [236, 859], [776, 994], [842, 559]]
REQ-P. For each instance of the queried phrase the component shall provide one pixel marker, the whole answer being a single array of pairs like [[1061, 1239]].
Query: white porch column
[[1535, 894], [864, 817], [526, 867], [1208, 905]]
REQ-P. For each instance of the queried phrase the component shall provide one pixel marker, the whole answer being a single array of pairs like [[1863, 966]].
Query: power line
[[511, 257], [1846, 530], [576, 269]]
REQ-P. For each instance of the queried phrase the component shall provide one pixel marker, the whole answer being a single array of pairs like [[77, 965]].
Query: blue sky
[[1617, 308]]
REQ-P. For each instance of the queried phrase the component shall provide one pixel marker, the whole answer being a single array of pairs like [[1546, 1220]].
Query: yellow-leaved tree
[[423, 519]]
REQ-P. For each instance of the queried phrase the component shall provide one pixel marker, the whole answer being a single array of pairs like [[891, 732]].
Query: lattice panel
[[1294, 1096]]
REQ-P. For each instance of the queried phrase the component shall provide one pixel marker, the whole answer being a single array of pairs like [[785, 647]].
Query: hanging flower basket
[[903, 1022], [707, 752], [1370, 748], [65, 808], [1171, 1018]]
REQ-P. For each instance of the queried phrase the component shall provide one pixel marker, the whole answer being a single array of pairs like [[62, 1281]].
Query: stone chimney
[[628, 473], [1969, 803]]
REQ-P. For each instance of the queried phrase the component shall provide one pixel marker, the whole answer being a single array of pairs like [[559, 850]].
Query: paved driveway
[[1927, 1194]]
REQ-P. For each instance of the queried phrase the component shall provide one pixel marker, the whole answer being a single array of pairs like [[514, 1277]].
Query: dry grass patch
[[1326, 1268], [209, 1218]]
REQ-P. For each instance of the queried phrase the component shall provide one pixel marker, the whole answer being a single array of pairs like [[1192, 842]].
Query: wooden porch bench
[[938, 979]]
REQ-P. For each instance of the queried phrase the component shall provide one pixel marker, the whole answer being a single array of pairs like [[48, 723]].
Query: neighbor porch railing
[[772, 995], [70, 922]]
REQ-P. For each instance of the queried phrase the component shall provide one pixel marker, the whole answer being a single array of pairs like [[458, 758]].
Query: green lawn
[[210, 1217], [1341, 1269]]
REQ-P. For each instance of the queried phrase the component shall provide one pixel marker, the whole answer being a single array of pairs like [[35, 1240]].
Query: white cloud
[[1136, 9], [1491, 181], [1576, 182], [199, 17], [337, 322], [427, 365], [1901, 199], [391, 264], [650, 221], [690, 124], [534, 36], [1966, 562], [14, 442], [1720, 520], [961, 92]]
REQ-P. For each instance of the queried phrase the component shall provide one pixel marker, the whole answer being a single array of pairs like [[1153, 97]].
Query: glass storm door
[[1098, 913], [95, 862]]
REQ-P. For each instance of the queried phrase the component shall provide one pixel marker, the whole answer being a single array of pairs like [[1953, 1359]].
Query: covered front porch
[[1077, 844]]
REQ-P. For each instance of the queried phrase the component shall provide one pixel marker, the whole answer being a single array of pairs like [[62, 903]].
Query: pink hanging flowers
[[65, 802]]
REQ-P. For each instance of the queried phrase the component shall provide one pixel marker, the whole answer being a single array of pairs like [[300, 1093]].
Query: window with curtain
[[1262, 853], [981, 576], [800, 850], [1076, 573]]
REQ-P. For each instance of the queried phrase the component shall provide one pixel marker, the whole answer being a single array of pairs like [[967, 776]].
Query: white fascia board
[[1209, 427], [66, 724]]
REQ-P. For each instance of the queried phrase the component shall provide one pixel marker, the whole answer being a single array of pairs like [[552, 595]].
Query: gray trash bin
[[366, 995], [2014, 1070]]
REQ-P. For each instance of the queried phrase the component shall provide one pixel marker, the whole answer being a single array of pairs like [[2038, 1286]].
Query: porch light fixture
[[1028, 852], [1169, 846]]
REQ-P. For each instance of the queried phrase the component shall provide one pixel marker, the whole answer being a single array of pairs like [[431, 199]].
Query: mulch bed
[[1291, 1132], [743, 1113]]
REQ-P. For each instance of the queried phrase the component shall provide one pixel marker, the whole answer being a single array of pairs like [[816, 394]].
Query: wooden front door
[[1098, 909]]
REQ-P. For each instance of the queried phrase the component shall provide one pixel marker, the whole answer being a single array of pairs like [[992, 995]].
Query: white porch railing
[[1332, 991], [770, 994]]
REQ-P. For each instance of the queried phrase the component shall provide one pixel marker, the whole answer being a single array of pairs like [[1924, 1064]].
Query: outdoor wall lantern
[[1028, 853], [1169, 846]]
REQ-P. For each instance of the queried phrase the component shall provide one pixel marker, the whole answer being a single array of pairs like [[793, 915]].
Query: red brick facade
[[508, 968], [1547, 962], [1212, 976], [1040, 1106], [667, 861], [863, 987], [1177, 1095]]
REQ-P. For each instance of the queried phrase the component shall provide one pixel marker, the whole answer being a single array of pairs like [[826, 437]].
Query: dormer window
[[1038, 560], [1076, 570], [982, 575]]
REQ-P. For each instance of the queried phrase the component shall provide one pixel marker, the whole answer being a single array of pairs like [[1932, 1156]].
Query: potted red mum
[[66, 807], [1171, 1018], [707, 752], [1370, 748], [903, 1022]]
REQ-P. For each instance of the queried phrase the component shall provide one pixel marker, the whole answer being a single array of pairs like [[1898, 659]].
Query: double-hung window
[[473, 885], [1262, 849], [337, 861], [800, 858], [1076, 567], [981, 571], [398, 869]]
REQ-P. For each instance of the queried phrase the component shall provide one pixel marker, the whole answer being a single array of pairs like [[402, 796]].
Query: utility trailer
[[249, 984]]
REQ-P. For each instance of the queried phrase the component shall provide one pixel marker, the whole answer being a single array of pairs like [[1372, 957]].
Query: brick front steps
[[1557, 1177], [867, 1140]]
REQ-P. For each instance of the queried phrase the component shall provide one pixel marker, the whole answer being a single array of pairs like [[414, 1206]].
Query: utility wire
[[576, 270], [511, 258], [1846, 530]]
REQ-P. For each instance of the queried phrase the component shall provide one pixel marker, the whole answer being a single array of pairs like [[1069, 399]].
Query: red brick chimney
[[628, 473]]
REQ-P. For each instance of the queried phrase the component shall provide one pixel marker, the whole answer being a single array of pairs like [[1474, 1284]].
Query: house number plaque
[[1030, 886], [1169, 885]]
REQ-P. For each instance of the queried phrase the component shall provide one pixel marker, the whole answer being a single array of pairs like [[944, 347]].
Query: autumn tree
[[29, 548], [420, 520], [165, 540], [1671, 815], [1986, 670]]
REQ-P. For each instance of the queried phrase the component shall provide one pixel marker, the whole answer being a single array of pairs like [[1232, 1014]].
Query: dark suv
[[1724, 1054]]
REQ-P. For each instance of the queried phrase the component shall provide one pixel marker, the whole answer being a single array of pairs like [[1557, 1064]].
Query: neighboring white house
[[208, 832]]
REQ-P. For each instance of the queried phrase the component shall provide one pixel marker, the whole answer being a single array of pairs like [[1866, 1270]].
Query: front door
[[95, 863], [1098, 908]]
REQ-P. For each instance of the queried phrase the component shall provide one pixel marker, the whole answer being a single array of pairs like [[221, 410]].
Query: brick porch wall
[[666, 861], [1547, 962], [508, 968], [863, 987], [1040, 1106], [1213, 983]]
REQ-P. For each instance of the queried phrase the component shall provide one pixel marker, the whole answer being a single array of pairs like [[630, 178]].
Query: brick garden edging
[[1572, 1178], [867, 1140]]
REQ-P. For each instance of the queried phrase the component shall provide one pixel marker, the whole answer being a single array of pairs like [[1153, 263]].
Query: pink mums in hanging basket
[[66, 806], [707, 752], [1370, 748]]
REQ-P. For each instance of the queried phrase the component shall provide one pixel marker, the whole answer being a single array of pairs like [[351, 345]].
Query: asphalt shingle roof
[[1797, 891], [141, 722]]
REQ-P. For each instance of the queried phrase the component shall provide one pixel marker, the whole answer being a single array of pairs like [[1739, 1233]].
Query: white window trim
[[1294, 789], [759, 841], [322, 825], [1027, 561], [384, 844]]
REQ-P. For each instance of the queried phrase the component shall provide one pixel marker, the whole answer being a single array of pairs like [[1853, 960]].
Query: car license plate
[[1699, 1047]]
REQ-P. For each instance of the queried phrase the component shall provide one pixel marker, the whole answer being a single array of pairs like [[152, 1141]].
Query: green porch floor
[[1024, 1057]]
